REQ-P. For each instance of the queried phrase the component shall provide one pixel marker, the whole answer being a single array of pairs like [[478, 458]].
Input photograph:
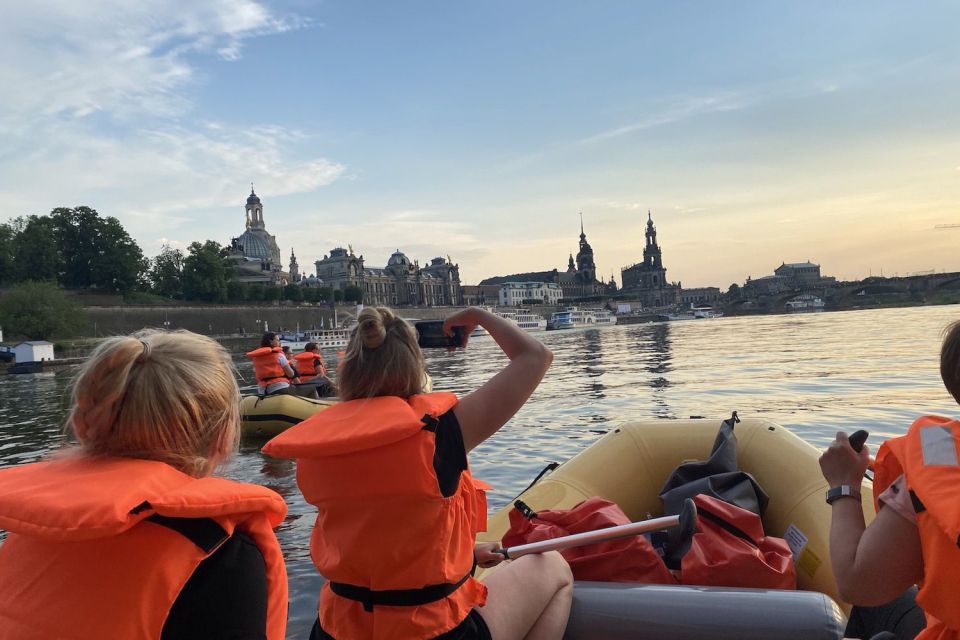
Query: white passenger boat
[[323, 338], [524, 318], [804, 303], [578, 318], [695, 313]]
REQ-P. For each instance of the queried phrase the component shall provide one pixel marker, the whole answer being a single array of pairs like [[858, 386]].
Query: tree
[[272, 292], [205, 273], [353, 293], [6, 254], [39, 310], [734, 293], [96, 252], [338, 295], [293, 292], [236, 291], [326, 294], [311, 294], [35, 252], [255, 292], [166, 273]]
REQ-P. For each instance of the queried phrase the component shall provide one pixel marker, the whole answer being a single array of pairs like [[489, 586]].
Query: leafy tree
[[35, 252], [96, 252], [6, 254], [255, 292], [293, 292], [734, 292], [310, 294], [353, 293], [338, 295], [272, 292], [166, 273], [326, 294], [39, 310], [205, 273], [236, 291]]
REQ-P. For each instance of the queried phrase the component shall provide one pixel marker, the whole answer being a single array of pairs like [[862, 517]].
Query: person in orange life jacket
[[288, 354], [398, 508], [273, 371], [310, 363], [913, 539], [126, 534]]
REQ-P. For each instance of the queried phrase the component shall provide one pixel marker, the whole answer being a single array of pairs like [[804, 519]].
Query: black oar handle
[[857, 438]]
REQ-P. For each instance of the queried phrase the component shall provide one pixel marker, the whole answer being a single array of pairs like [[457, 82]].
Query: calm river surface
[[815, 373]]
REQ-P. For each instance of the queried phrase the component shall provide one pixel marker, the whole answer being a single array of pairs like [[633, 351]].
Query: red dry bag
[[631, 559], [729, 549]]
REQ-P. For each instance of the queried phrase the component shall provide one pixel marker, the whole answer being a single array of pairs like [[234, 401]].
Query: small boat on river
[[630, 464]]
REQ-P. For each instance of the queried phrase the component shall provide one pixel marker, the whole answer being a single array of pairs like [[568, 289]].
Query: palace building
[[254, 253], [578, 281], [647, 280], [400, 283]]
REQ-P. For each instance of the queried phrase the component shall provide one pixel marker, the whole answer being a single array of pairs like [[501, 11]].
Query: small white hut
[[33, 351]]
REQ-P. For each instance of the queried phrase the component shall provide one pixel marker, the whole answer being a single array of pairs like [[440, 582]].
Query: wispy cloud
[[680, 109]]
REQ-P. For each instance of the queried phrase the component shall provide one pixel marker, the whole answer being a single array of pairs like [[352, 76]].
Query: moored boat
[[323, 338], [630, 464], [524, 318]]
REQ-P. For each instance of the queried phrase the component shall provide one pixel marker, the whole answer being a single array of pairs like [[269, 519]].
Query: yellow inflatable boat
[[265, 417], [630, 464]]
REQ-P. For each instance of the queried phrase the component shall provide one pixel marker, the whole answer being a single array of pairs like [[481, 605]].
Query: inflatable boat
[[264, 417], [629, 466]]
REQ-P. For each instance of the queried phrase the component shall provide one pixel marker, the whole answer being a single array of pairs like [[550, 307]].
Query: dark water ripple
[[815, 373]]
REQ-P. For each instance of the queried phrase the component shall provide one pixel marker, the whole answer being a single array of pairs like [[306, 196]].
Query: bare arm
[[871, 564], [482, 412]]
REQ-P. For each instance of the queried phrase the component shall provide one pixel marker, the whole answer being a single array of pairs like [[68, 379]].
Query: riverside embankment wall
[[228, 320]]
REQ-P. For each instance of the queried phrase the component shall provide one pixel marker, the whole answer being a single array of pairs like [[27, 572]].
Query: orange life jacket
[[383, 524], [266, 365], [91, 552], [927, 456], [309, 365]]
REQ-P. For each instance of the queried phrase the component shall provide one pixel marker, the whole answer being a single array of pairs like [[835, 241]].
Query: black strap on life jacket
[[398, 597], [203, 532]]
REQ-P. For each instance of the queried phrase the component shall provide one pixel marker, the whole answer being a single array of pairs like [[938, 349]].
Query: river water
[[814, 373]]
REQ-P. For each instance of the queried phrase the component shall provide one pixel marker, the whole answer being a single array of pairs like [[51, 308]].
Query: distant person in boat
[[913, 539], [313, 371], [398, 508], [273, 370], [127, 535]]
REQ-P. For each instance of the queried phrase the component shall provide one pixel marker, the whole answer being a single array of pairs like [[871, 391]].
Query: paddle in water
[[687, 520]]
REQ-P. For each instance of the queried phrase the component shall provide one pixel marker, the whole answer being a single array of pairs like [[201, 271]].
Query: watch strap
[[843, 491]]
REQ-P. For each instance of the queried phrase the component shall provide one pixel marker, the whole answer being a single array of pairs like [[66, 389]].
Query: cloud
[[101, 113]]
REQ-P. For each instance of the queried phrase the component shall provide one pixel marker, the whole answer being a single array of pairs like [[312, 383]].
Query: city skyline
[[756, 134]]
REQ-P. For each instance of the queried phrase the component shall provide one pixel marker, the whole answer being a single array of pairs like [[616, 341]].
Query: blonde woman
[[398, 508], [126, 535]]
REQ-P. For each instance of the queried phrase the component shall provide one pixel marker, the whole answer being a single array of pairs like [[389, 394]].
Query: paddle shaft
[[590, 537]]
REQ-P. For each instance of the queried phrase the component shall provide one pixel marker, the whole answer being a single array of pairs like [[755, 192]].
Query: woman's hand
[[840, 464], [486, 555], [467, 320]]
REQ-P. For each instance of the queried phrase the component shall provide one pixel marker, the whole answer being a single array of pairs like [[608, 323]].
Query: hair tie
[[145, 353]]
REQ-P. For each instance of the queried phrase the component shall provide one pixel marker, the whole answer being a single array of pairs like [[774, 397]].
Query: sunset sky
[[755, 132]]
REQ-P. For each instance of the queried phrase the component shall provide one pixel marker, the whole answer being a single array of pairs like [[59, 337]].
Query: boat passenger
[[913, 539], [126, 534], [309, 363], [398, 508], [273, 370]]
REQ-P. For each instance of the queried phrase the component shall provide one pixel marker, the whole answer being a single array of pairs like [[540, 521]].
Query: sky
[[755, 133]]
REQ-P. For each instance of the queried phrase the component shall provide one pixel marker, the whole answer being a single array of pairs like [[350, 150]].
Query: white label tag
[[938, 446], [796, 540]]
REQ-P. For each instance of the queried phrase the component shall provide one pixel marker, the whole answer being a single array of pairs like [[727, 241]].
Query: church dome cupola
[[398, 259]]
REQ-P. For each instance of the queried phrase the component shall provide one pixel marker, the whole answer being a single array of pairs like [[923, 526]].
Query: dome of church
[[398, 259], [256, 244], [253, 198]]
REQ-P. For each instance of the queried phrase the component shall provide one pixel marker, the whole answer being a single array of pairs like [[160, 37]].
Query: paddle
[[857, 438], [687, 520]]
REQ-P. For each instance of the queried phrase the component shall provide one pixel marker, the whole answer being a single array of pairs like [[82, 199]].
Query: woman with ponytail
[[398, 510], [126, 534]]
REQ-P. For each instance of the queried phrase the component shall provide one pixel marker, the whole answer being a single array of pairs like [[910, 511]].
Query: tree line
[[79, 249]]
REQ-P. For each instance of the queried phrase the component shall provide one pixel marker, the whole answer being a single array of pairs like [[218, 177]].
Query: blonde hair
[[382, 359], [157, 395]]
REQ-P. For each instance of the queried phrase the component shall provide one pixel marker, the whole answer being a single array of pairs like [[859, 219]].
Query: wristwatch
[[843, 491]]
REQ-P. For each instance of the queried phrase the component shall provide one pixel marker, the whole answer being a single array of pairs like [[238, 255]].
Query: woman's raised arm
[[482, 412]]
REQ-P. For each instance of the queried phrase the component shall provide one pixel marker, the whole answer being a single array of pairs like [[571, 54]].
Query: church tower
[[586, 269], [652, 257], [571, 267], [254, 211], [294, 267]]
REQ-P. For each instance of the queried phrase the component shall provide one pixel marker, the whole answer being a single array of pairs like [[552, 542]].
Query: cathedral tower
[[586, 269]]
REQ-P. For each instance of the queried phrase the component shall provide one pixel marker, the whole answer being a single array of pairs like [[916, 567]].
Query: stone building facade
[[400, 283], [647, 280]]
